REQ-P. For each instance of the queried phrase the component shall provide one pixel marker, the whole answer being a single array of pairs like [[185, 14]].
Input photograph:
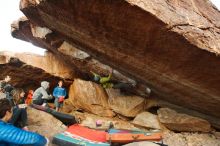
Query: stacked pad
[[77, 135], [126, 136]]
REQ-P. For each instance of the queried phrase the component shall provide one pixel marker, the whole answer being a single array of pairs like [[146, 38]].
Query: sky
[[9, 12]]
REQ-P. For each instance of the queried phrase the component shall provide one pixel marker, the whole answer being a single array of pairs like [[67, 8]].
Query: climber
[[104, 81], [10, 135], [107, 83], [59, 93], [41, 96]]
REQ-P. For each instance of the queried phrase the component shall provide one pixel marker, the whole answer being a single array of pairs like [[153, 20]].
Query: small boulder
[[147, 120], [128, 106], [67, 106], [91, 97], [182, 122]]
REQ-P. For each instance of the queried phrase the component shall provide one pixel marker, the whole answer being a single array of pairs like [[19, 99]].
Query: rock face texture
[[90, 97], [175, 57], [25, 76], [77, 61], [190, 139], [44, 123], [93, 98], [3, 59], [182, 122], [147, 120], [49, 63], [128, 106]]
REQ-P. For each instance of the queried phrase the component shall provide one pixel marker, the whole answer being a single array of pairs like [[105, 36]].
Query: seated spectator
[[6, 88], [19, 116], [59, 93], [18, 96], [28, 100], [2, 94], [41, 96], [12, 136]]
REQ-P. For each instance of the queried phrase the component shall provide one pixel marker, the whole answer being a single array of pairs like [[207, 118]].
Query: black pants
[[123, 86], [39, 101], [19, 117]]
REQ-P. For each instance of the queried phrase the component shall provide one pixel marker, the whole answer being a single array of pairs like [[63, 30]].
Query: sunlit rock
[[147, 120], [182, 122], [90, 97], [177, 58], [128, 106]]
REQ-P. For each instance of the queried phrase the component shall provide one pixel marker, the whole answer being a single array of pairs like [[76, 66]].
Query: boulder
[[147, 120], [182, 122], [139, 39], [44, 123], [128, 106], [90, 97], [26, 76], [49, 63], [113, 92], [190, 139], [67, 106], [217, 135]]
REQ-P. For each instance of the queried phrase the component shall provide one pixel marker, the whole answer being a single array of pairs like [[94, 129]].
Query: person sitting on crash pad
[[19, 116], [41, 96], [59, 93], [29, 97], [7, 88], [11, 135], [2, 94], [104, 81]]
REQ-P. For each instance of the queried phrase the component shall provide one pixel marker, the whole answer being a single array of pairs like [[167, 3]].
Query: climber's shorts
[[57, 103]]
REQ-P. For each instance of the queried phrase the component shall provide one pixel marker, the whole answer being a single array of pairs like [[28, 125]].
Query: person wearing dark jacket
[[12, 136], [6, 88], [19, 116], [41, 95]]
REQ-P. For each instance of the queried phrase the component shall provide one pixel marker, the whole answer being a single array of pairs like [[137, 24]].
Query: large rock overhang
[[25, 76], [78, 61], [165, 44]]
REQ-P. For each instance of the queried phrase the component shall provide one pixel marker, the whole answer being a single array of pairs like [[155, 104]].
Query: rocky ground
[[178, 129]]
